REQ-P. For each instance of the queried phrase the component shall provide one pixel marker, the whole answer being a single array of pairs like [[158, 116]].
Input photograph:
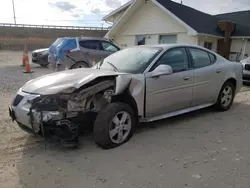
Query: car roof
[[94, 38], [167, 46]]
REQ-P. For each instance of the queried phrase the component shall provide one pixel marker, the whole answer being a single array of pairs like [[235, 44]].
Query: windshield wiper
[[115, 68]]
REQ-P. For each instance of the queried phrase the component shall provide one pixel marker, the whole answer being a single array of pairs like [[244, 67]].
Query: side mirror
[[162, 70]]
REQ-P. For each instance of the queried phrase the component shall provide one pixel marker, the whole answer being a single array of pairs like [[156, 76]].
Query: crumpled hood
[[56, 82]]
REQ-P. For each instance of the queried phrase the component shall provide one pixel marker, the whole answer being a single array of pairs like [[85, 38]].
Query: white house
[[164, 21]]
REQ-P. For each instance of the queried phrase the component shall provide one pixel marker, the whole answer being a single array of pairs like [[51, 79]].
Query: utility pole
[[14, 12]]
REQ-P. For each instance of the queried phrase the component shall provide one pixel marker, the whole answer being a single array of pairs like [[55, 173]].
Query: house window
[[140, 40], [208, 45], [167, 39]]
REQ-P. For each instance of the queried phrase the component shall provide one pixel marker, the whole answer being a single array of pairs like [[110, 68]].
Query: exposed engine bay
[[61, 114]]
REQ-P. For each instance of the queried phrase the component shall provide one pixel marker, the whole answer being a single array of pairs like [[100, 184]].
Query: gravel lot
[[199, 149]]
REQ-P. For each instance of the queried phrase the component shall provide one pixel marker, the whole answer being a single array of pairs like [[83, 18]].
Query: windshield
[[130, 60]]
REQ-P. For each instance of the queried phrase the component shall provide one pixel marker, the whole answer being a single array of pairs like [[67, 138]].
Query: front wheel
[[114, 125], [226, 97]]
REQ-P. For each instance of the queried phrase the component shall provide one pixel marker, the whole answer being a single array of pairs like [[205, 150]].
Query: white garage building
[[164, 21]]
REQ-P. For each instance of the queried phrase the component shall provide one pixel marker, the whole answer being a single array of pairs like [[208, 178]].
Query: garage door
[[167, 39]]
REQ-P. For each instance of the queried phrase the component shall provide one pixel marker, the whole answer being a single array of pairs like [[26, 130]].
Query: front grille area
[[17, 100], [247, 67], [34, 54]]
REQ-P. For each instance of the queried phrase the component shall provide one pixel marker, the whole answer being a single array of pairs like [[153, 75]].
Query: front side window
[[200, 58], [175, 58], [131, 60], [91, 44], [109, 47]]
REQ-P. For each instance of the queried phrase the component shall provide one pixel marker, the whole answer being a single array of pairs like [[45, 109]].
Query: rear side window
[[90, 44], [200, 58]]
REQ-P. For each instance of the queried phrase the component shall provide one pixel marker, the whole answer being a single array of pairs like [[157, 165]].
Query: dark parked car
[[40, 57], [79, 52]]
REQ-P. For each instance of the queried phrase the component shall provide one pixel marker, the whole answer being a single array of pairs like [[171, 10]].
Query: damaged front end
[[62, 114]]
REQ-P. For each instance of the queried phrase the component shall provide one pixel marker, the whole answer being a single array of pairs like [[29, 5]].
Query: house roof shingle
[[241, 17], [206, 23]]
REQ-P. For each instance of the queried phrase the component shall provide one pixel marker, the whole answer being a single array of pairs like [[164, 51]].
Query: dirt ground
[[196, 150]]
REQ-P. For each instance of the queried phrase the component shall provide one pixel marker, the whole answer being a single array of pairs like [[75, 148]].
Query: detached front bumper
[[41, 122], [20, 107], [23, 127]]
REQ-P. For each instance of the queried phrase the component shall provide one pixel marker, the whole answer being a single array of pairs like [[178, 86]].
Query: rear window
[[90, 44], [57, 41], [66, 42]]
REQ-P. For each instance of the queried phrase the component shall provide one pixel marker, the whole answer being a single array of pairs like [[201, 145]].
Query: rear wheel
[[226, 97], [114, 125], [80, 65]]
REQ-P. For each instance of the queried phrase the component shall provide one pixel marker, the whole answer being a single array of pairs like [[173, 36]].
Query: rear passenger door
[[91, 50], [206, 76]]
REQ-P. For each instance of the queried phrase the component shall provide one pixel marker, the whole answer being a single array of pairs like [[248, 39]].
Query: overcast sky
[[90, 12]]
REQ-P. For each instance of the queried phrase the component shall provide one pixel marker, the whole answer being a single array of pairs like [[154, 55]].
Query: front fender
[[135, 84]]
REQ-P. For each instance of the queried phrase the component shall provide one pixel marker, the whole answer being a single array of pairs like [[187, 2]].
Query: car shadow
[[48, 163]]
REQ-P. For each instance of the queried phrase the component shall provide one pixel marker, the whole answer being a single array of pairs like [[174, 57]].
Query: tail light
[[66, 52]]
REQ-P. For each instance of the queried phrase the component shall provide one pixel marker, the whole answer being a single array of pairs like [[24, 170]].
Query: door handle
[[218, 71], [186, 78]]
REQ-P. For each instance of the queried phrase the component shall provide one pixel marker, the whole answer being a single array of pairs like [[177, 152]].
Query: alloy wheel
[[227, 96], [120, 127]]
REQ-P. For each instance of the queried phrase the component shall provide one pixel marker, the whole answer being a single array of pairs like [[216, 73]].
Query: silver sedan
[[138, 84]]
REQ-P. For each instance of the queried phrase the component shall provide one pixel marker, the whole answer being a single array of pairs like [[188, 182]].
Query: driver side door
[[169, 93]]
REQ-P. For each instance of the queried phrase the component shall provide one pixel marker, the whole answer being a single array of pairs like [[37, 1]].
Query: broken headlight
[[48, 103], [27, 104]]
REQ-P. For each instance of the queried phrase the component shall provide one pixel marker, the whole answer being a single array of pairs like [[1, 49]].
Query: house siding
[[237, 46], [213, 40], [117, 16], [125, 41], [186, 39], [151, 21]]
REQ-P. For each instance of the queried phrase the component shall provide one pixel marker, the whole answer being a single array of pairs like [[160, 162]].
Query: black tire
[[103, 124], [219, 104], [80, 65], [44, 65]]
